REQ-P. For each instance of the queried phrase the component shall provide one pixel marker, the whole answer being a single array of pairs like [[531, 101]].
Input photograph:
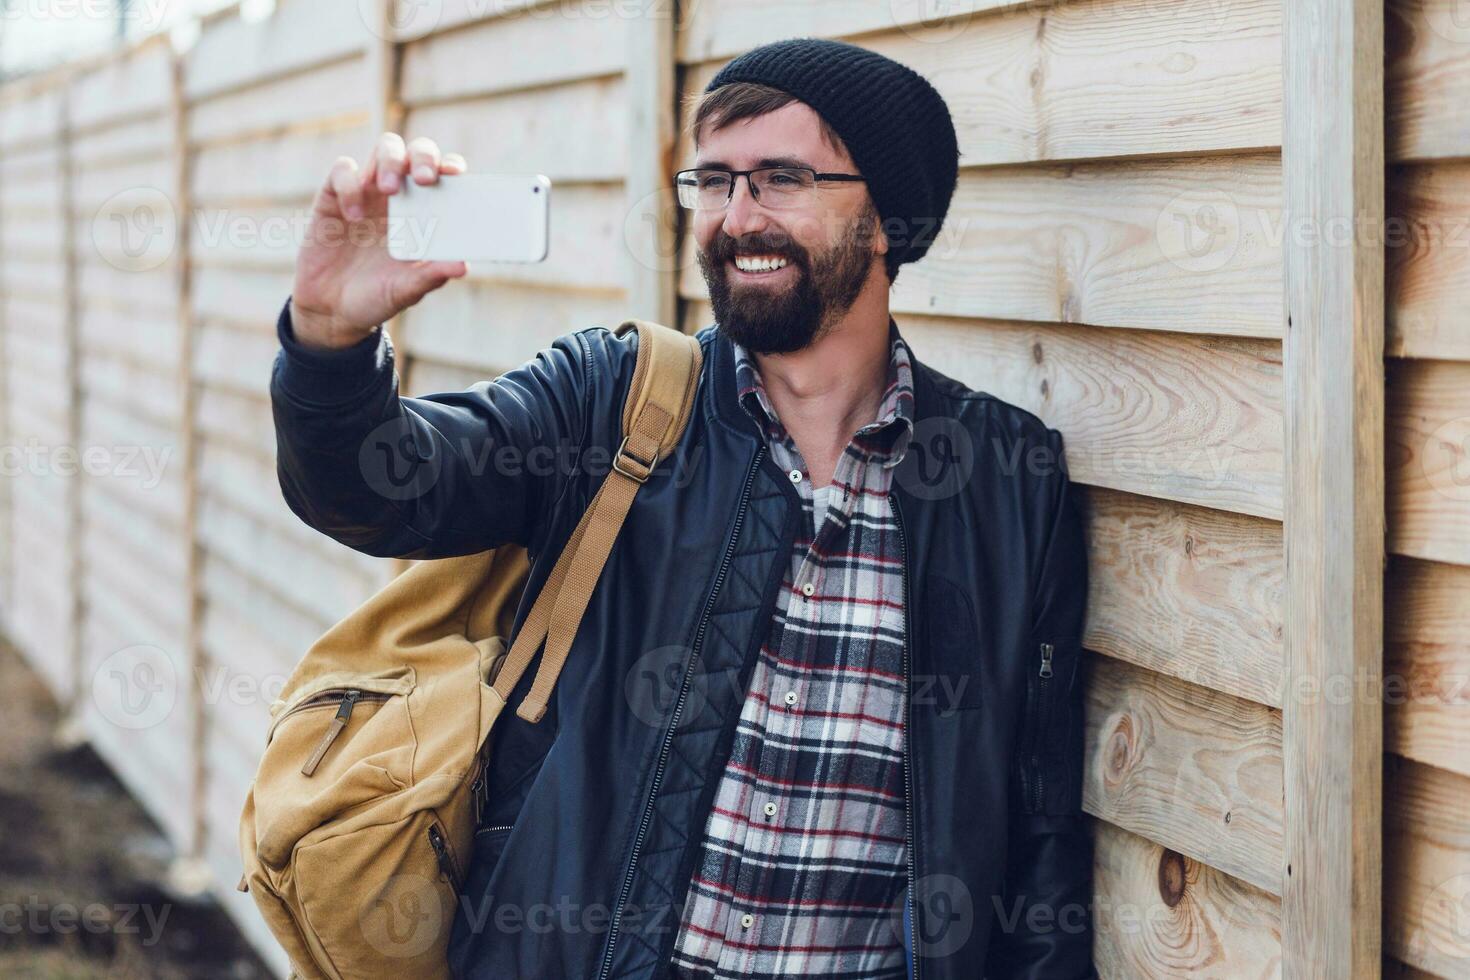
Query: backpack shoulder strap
[[659, 403]]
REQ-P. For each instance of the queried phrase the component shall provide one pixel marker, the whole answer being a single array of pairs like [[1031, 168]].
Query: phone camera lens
[[535, 190]]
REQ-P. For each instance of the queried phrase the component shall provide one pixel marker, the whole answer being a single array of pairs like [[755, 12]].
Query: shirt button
[[795, 476], [770, 809], [790, 697], [808, 588], [747, 920]]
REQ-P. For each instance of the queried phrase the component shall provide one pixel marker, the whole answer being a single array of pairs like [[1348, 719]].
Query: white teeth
[[758, 265]]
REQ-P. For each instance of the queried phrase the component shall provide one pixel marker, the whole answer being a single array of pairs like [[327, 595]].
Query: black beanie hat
[[895, 124]]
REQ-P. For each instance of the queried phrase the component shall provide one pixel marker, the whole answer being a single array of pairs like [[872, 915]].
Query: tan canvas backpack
[[360, 819]]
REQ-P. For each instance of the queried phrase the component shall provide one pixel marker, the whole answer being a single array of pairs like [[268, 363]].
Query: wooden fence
[[1218, 244]]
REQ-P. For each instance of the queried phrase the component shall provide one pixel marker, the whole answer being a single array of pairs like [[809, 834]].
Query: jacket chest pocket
[[1049, 749], [956, 650]]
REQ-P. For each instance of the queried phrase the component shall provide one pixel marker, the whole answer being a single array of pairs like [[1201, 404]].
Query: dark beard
[[780, 320]]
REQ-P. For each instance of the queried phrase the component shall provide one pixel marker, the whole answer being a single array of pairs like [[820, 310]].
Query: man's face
[[831, 242]]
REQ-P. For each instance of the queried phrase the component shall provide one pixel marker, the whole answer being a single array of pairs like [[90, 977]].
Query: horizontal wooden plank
[[241, 419], [250, 298], [232, 53], [308, 578], [510, 52], [265, 237], [285, 168], [137, 83], [1187, 245], [1427, 258], [1426, 80], [30, 114], [1186, 591], [723, 28], [240, 359], [138, 288], [1195, 770], [411, 20], [1191, 419], [577, 131], [1426, 866], [150, 136], [334, 95], [1427, 453], [1162, 914], [98, 191], [1086, 80], [492, 327], [1427, 662]]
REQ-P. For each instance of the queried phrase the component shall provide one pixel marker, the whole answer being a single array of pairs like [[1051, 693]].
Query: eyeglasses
[[704, 189]]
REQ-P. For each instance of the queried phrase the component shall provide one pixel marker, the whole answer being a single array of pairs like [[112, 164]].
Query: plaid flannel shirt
[[804, 863]]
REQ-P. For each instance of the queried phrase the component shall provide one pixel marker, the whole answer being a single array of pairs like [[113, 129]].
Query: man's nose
[[744, 213]]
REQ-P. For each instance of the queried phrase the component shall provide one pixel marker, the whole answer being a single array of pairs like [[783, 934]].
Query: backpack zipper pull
[[1046, 651], [334, 728]]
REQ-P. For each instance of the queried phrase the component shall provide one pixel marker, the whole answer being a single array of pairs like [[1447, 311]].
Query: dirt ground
[[83, 890]]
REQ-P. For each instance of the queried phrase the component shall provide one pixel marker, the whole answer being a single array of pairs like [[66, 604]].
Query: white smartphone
[[471, 217]]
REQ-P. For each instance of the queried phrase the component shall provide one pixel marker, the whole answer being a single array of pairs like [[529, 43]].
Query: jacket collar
[[726, 403]]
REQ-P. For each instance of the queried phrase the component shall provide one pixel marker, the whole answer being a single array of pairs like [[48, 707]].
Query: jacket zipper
[[908, 774], [663, 754], [491, 830], [1045, 675]]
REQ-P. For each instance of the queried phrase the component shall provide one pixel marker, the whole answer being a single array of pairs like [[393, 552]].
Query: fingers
[[347, 186], [389, 164], [424, 158], [415, 280], [393, 160], [329, 201]]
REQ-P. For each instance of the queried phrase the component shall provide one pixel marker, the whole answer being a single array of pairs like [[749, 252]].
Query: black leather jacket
[[595, 814]]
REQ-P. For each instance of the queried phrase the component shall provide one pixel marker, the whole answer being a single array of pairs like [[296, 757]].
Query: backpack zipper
[[345, 702], [447, 864], [663, 754]]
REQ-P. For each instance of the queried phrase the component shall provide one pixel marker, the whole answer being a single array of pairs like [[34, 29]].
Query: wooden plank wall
[[1426, 872], [137, 697], [269, 106], [41, 411], [481, 84], [1112, 261]]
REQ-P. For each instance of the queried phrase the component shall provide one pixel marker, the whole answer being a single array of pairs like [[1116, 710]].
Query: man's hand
[[346, 283]]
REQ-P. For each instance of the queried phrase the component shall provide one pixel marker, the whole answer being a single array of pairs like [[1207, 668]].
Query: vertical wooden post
[[71, 332], [1332, 160], [386, 114], [189, 449], [652, 209], [7, 434]]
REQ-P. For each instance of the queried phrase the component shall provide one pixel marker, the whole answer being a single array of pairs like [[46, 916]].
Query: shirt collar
[[885, 439]]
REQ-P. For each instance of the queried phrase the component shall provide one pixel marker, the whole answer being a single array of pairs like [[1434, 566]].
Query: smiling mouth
[[760, 273]]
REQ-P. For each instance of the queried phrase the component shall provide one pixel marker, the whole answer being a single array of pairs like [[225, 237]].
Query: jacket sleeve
[[1043, 926], [428, 477]]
